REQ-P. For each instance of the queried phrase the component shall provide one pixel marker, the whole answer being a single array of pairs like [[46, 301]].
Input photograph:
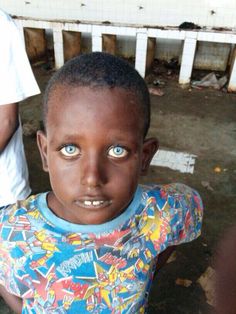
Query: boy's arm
[[8, 123], [13, 301]]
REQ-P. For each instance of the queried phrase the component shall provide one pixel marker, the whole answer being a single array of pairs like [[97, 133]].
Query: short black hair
[[101, 69]]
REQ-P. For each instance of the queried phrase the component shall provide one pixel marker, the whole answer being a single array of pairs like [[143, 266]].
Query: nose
[[93, 173]]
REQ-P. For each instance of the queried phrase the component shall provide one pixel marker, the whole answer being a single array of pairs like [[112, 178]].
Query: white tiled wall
[[209, 13], [139, 19]]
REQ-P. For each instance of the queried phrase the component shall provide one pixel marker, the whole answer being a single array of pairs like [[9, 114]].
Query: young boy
[[92, 244]]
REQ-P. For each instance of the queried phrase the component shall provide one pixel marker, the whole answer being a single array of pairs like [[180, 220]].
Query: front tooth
[[96, 203], [88, 203]]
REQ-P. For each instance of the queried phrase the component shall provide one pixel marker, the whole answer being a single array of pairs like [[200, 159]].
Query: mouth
[[93, 203]]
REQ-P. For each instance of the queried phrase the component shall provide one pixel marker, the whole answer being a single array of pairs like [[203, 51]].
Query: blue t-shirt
[[59, 267]]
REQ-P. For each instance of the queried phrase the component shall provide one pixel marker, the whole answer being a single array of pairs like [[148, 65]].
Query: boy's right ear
[[42, 145]]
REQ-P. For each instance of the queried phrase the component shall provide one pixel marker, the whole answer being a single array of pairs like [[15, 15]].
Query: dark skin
[[8, 123], [94, 153], [94, 150], [13, 301], [225, 289]]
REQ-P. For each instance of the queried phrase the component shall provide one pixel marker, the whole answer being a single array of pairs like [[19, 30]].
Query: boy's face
[[94, 152]]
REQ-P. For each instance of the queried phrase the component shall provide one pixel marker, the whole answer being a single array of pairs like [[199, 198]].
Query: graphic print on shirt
[[56, 271]]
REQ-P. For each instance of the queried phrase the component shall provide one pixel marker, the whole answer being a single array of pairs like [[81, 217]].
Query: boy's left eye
[[117, 152], [70, 150]]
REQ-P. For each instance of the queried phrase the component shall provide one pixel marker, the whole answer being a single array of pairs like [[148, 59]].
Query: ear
[[150, 146], [42, 146]]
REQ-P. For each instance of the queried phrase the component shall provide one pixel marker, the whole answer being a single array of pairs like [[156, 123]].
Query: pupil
[[118, 150], [70, 149]]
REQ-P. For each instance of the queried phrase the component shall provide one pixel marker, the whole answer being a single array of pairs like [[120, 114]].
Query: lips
[[93, 203]]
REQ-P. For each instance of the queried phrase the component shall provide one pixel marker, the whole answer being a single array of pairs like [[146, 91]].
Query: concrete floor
[[200, 122]]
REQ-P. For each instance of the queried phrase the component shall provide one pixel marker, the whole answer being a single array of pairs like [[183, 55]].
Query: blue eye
[[70, 150], [117, 152]]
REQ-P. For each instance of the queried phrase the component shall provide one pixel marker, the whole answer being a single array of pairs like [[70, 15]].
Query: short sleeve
[[185, 212], [17, 80]]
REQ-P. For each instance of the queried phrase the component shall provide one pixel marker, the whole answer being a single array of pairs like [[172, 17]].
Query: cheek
[[127, 176], [134, 167], [61, 176]]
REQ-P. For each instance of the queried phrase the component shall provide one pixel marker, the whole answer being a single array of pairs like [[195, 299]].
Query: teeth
[[94, 203]]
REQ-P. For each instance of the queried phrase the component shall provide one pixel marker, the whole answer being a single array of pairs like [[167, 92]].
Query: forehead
[[107, 104]]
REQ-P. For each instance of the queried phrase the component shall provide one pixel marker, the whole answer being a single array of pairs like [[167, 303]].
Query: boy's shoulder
[[173, 201], [177, 209], [171, 187], [170, 191]]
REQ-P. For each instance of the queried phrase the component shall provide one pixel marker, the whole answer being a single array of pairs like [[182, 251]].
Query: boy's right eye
[[70, 150]]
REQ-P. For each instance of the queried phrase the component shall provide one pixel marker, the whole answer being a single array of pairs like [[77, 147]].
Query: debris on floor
[[210, 80], [207, 185], [183, 282], [157, 82], [172, 64], [156, 91], [172, 257], [207, 282], [217, 169]]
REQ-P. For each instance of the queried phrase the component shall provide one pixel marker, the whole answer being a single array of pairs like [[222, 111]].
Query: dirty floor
[[200, 122]]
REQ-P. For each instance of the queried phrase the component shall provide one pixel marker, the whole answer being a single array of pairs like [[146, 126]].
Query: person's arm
[[9, 122], [13, 301], [225, 279]]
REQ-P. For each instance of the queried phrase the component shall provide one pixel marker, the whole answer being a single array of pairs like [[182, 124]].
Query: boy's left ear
[[42, 146], [150, 146]]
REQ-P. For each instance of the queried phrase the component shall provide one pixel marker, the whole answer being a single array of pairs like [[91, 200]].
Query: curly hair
[[100, 70]]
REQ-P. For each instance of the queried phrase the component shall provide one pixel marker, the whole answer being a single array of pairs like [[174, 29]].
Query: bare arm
[[225, 285], [8, 123], [13, 301]]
